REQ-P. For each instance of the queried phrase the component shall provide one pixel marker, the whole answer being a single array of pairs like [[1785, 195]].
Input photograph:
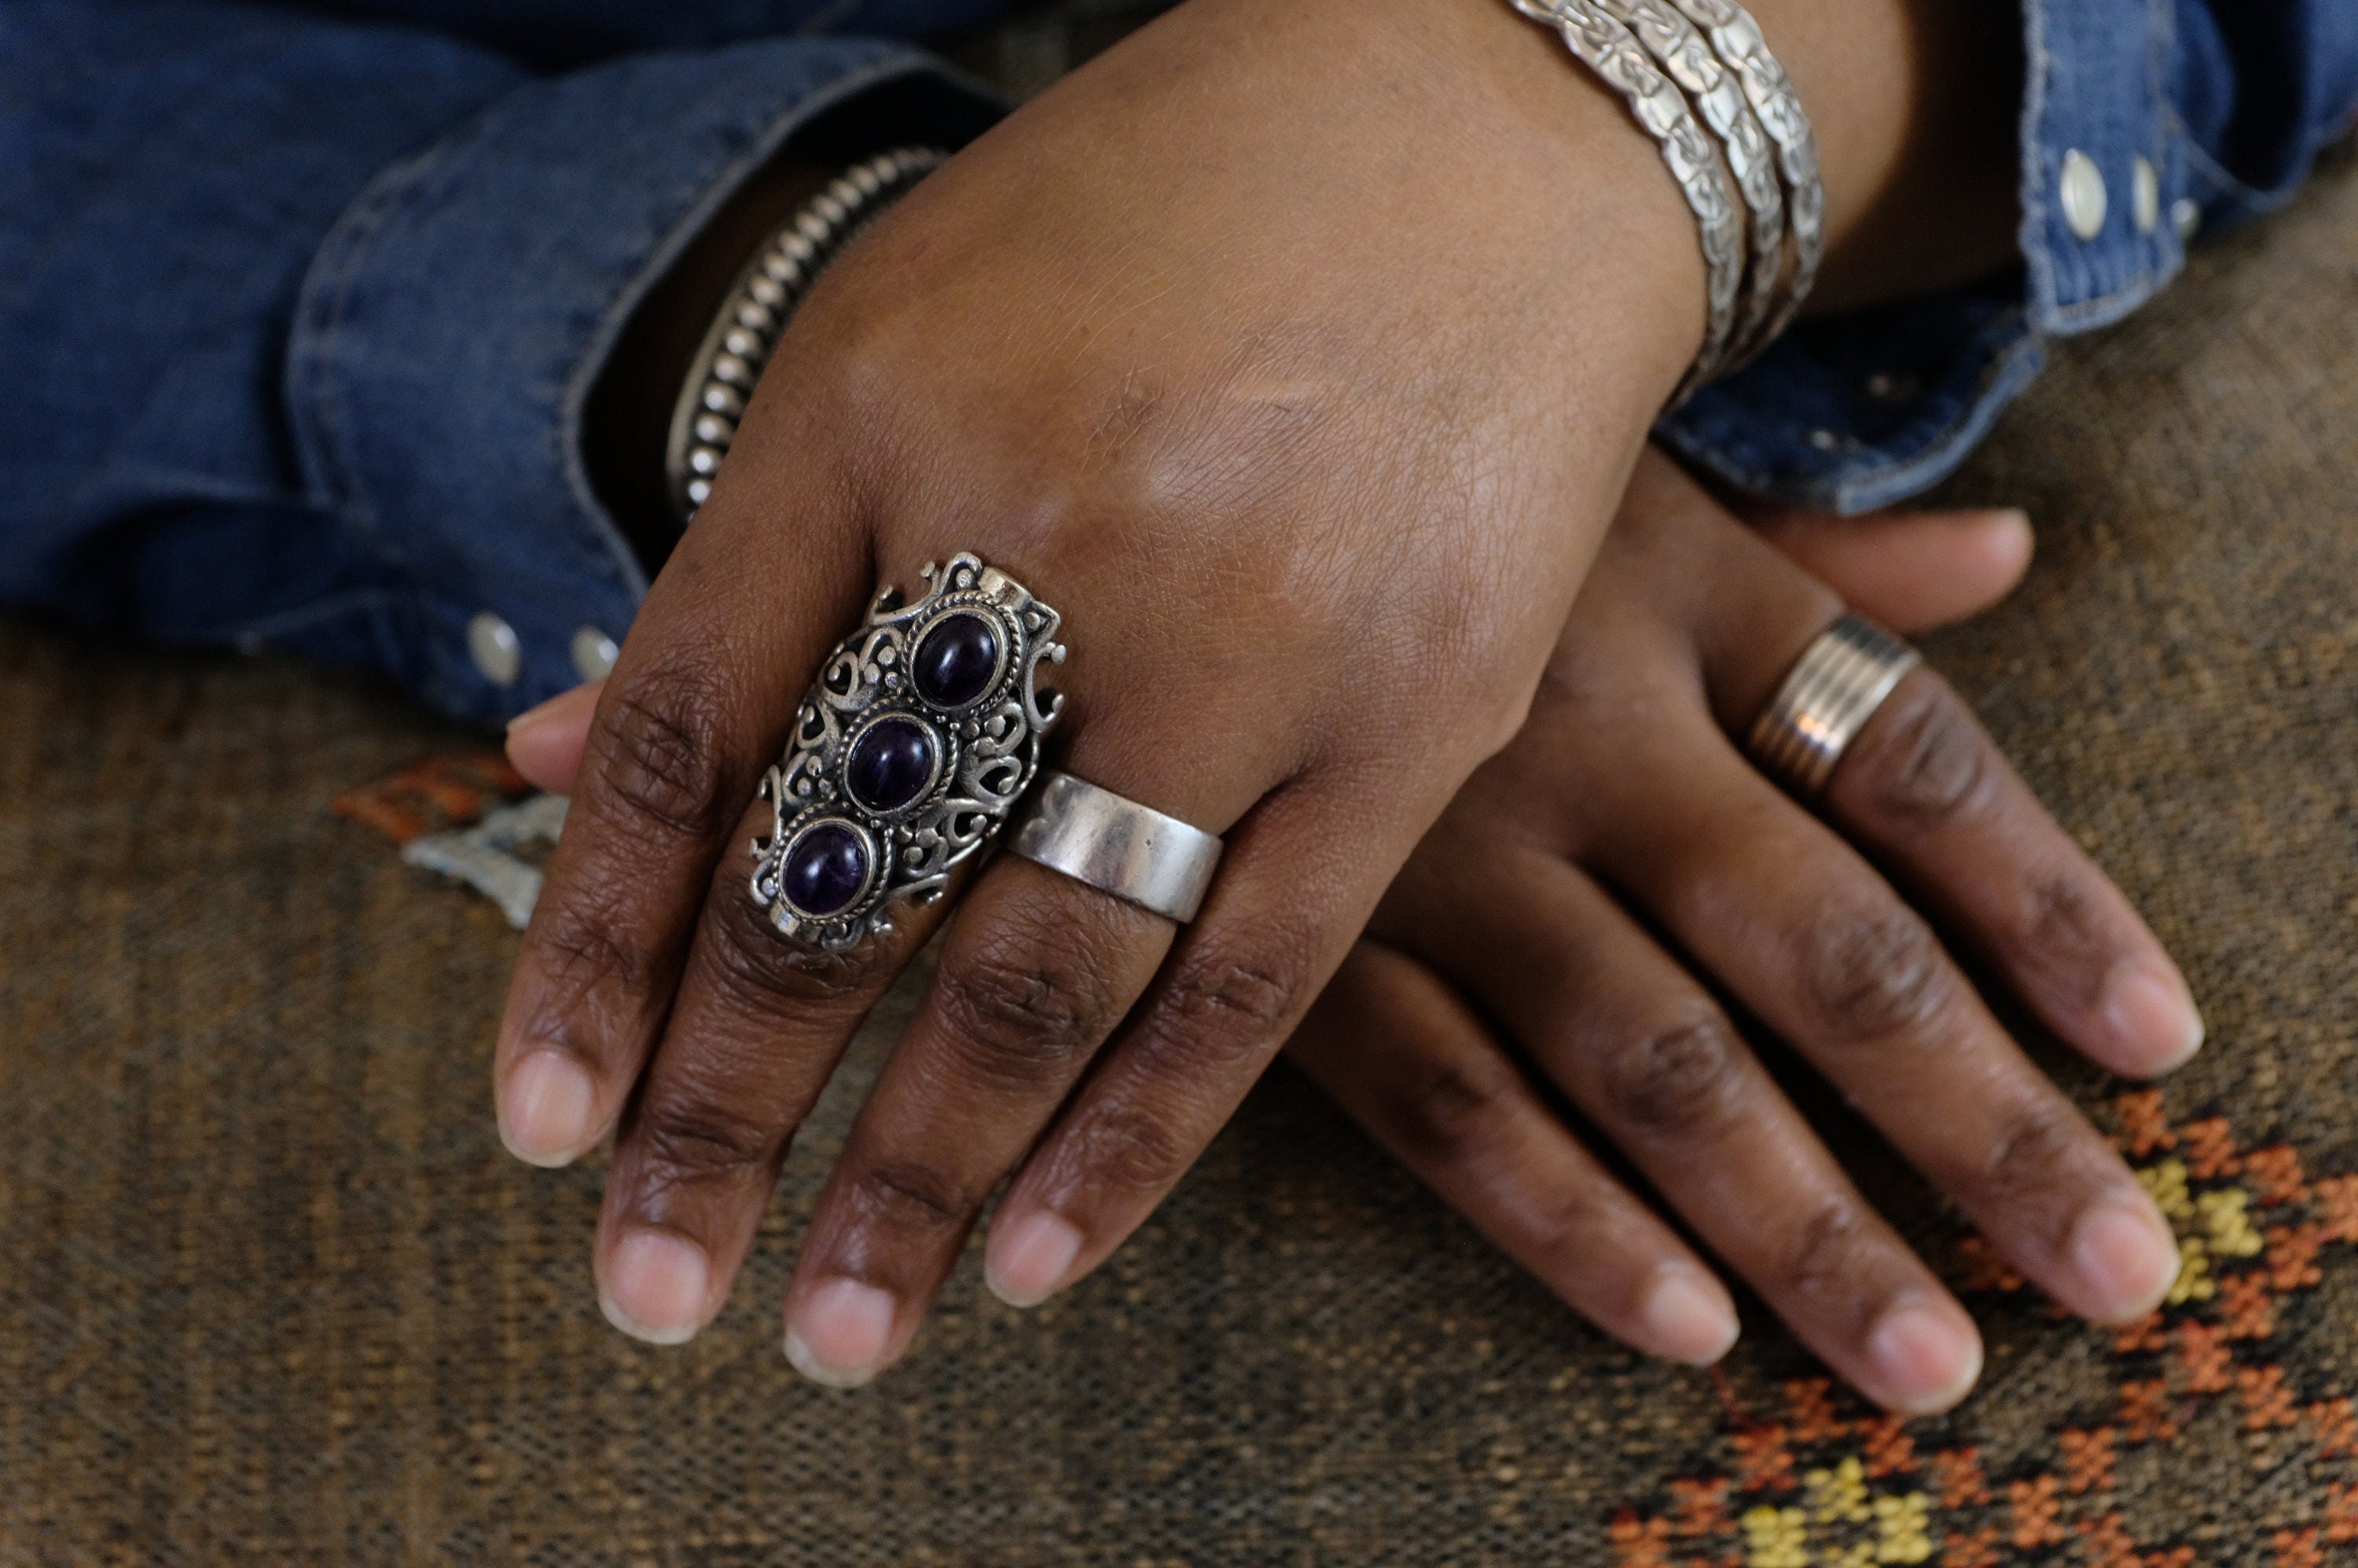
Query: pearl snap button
[[2145, 188], [593, 654], [2082, 190], [2187, 214], [492, 643]]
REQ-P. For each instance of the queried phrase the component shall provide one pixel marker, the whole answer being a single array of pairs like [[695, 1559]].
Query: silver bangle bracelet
[[1683, 64], [1737, 39], [1688, 60], [1609, 49], [753, 316]]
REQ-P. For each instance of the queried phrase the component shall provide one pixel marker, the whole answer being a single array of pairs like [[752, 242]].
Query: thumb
[[1912, 571], [544, 743]]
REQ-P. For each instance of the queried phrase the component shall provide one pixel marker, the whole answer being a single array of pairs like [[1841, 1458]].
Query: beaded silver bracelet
[[1680, 62], [753, 316]]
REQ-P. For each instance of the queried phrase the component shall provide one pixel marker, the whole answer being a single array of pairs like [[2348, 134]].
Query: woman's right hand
[[1576, 914]]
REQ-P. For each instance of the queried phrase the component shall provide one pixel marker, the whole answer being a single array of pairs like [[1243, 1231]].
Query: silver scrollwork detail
[[984, 750]]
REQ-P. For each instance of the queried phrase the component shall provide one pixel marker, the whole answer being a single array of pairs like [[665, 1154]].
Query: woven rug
[[270, 1292]]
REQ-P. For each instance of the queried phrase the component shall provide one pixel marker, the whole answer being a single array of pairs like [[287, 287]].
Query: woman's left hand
[[1571, 919]]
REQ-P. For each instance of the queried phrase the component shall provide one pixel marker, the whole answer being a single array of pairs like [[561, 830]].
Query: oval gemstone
[[890, 765], [957, 659], [826, 869]]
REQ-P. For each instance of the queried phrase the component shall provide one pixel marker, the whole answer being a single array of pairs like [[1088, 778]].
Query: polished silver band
[[1609, 49], [1117, 846], [1835, 688]]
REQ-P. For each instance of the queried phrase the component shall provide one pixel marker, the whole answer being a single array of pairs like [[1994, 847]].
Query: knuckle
[[1873, 975], [1928, 763], [1684, 1081], [752, 964], [688, 1138], [658, 758], [1453, 1110], [898, 1195], [1023, 1013], [1824, 1257], [1221, 1011], [1124, 1149], [2038, 1155], [578, 950], [2063, 924]]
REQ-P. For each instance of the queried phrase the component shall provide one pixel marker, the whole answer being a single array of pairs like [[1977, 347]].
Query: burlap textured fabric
[[269, 1289]]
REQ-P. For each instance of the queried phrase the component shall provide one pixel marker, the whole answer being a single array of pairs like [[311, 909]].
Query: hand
[[1571, 916], [1297, 355], [1312, 481]]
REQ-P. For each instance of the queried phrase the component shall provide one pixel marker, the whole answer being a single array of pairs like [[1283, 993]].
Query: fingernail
[[1026, 1262], [545, 1109], [1688, 1317], [654, 1285], [839, 1334], [536, 715], [2125, 1259], [2150, 1016], [1924, 1358]]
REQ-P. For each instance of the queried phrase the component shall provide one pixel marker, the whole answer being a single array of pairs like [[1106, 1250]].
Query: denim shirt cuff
[[1859, 411], [450, 327]]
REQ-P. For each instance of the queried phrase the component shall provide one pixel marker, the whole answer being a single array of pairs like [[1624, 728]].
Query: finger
[[544, 743], [758, 1028], [1821, 950], [698, 705], [1912, 571], [1036, 971], [1926, 792], [1400, 1054], [1294, 890], [1651, 1059]]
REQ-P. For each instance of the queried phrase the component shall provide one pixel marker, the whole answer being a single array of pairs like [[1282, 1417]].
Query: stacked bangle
[[1685, 64], [743, 335]]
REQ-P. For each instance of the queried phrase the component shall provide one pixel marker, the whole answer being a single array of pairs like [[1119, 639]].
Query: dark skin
[[1321, 479]]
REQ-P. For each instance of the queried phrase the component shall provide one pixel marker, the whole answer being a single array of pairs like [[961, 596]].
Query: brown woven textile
[[269, 1289]]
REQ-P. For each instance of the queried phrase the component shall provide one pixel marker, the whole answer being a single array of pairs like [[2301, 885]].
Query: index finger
[[695, 710]]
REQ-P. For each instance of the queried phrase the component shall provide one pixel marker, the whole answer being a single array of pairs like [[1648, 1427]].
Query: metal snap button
[[2144, 190], [593, 654], [2083, 195], [497, 652]]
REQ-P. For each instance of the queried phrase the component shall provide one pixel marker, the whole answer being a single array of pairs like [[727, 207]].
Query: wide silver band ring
[[1117, 846], [1834, 689]]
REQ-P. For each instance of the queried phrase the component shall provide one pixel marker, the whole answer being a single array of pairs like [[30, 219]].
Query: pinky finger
[[1403, 1057]]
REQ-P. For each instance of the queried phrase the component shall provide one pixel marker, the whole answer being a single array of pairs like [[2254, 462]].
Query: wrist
[[1915, 105], [627, 419]]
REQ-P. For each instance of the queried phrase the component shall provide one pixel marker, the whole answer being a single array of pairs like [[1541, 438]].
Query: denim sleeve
[[2143, 122], [298, 316], [561, 33]]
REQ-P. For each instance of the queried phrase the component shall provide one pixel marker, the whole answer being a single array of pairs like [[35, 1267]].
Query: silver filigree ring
[[919, 736]]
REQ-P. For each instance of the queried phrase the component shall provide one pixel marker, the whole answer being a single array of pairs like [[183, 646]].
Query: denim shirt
[[299, 306]]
